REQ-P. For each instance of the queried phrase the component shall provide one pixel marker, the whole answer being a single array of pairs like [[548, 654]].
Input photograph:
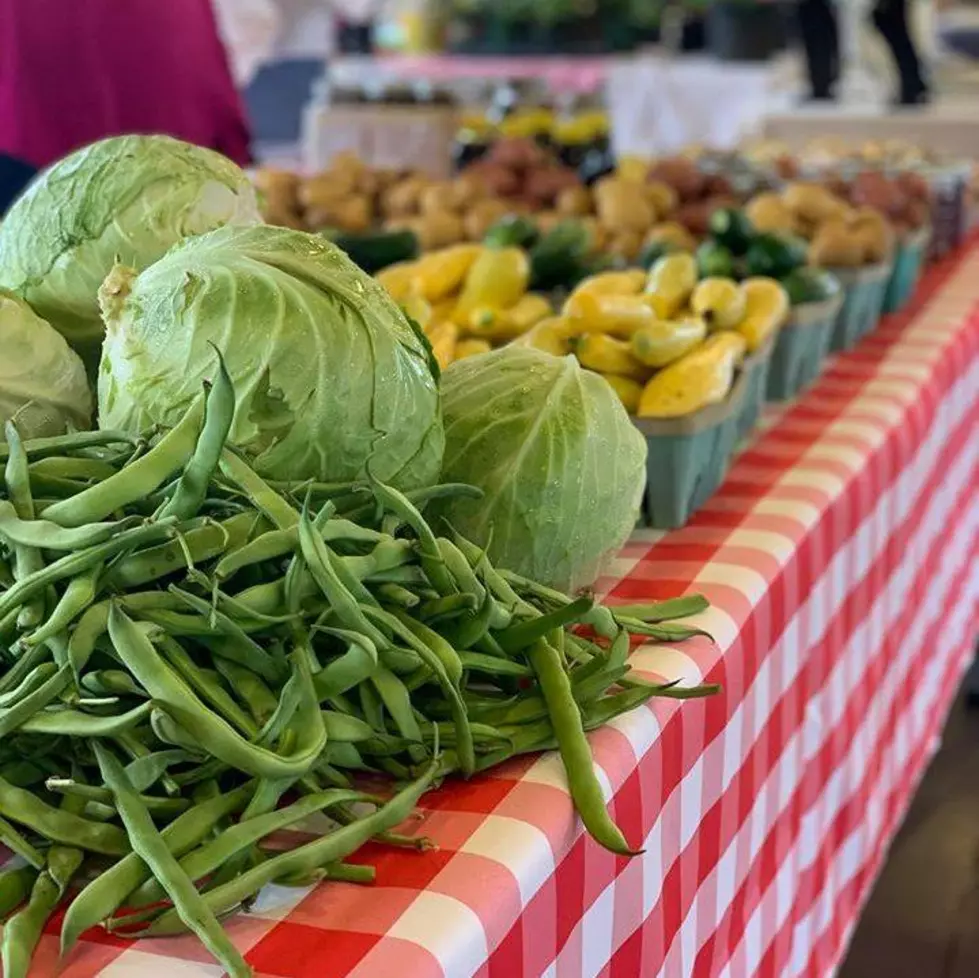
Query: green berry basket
[[801, 347], [754, 369], [863, 302], [688, 457], [909, 259]]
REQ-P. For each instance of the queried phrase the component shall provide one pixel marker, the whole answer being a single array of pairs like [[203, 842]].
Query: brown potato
[[438, 197], [672, 233], [547, 220], [622, 206], [403, 198], [663, 197], [812, 202], [467, 188], [438, 229], [481, 216], [323, 190], [353, 214], [574, 202], [285, 218], [835, 246]]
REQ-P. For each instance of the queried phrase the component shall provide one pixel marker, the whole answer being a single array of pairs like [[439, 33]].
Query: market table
[[841, 558]]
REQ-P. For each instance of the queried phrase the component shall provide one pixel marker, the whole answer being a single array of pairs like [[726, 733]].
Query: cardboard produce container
[[688, 457], [909, 259], [801, 347], [863, 302]]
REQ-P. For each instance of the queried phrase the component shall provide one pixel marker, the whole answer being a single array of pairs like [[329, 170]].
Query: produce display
[[256, 582]]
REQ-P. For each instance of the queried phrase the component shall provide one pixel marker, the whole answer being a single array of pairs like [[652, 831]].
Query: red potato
[[914, 185], [682, 175], [521, 154], [695, 217]]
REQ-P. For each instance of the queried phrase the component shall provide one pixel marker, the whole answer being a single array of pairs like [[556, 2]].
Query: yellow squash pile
[[467, 298], [668, 344]]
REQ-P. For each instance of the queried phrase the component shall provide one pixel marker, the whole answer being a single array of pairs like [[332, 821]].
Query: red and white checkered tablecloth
[[842, 561]]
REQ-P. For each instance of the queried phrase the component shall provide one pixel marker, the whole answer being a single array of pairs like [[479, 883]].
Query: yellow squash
[[442, 272], [444, 336], [617, 315], [719, 302], [500, 325], [629, 391], [703, 377], [418, 309], [552, 335], [671, 281], [471, 348], [766, 310], [629, 282], [664, 341], [496, 280], [398, 280], [607, 355]]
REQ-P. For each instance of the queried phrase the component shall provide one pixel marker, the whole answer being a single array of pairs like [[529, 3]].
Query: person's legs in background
[[820, 38], [891, 19]]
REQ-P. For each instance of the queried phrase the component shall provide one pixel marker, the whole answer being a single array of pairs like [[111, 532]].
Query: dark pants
[[820, 37]]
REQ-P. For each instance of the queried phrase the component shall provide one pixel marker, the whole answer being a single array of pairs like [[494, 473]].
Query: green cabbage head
[[328, 372], [43, 386], [127, 199], [561, 466]]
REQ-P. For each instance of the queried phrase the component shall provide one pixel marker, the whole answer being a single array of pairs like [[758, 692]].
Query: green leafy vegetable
[[561, 466], [42, 382], [127, 198], [330, 373]]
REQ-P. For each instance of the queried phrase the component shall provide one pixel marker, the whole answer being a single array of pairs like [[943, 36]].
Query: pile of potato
[[840, 235], [354, 198]]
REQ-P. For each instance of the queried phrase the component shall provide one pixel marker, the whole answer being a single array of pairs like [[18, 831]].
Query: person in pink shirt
[[74, 71]]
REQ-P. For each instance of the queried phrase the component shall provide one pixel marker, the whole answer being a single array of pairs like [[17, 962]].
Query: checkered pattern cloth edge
[[841, 558]]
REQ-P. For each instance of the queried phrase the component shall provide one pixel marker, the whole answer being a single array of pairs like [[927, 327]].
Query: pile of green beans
[[193, 658]]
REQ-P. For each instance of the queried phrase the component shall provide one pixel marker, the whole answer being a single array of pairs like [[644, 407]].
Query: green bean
[[143, 772], [402, 507], [59, 444], [397, 595], [583, 783], [69, 467], [345, 729], [192, 486], [459, 568], [689, 604], [324, 851], [666, 631], [27, 559], [492, 665], [442, 659], [78, 562], [20, 846], [171, 693], [15, 887], [74, 723], [34, 679], [262, 496], [50, 536], [449, 606], [111, 682], [106, 893], [397, 701], [250, 688], [349, 669], [203, 861], [168, 807], [268, 546], [22, 932], [318, 561], [188, 904], [258, 659], [17, 715], [205, 687], [137, 480], [527, 631], [92, 625], [21, 806], [78, 595], [202, 543]]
